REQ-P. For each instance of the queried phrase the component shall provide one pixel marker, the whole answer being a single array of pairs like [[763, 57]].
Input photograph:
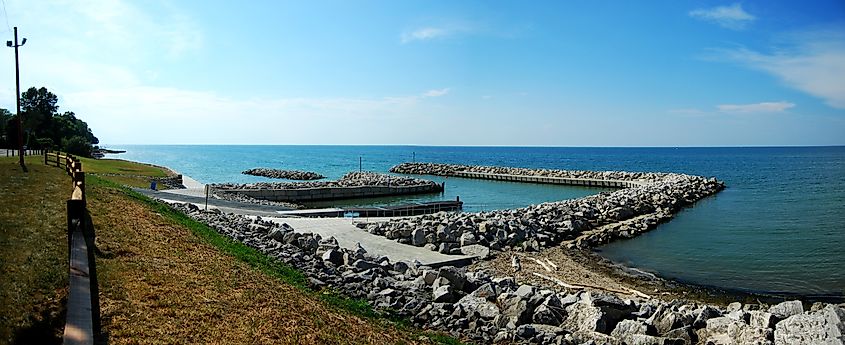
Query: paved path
[[348, 236], [223, 205]]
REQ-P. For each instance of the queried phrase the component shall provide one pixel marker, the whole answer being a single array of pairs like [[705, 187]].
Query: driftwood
[[585, 286], [540, 263]]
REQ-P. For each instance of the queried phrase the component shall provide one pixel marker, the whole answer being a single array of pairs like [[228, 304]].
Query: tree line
[[44, 127]]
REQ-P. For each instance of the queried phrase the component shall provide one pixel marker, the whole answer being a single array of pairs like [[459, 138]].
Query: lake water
[[778, 227]]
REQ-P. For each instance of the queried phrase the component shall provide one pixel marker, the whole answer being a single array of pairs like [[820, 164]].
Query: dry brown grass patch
[[159, 283]]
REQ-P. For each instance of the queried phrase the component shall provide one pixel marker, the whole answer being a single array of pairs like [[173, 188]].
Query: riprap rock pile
[[352, 179], [453, 170], [284, 174], [484, 309]]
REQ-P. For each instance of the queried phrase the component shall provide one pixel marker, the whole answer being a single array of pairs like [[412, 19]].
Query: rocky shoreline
[[481, 307], [352, 179], [284, 174]]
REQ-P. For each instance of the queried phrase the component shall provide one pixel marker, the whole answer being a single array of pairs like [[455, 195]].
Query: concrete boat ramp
[[343, 229], [348, 236]]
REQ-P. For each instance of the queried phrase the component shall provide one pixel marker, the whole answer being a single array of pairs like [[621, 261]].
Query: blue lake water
[[778, 227]]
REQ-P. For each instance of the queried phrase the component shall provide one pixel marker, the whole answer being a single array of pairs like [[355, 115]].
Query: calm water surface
[[778, 227]]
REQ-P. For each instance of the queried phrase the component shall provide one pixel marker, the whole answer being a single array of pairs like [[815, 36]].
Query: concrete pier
[[334, 193]]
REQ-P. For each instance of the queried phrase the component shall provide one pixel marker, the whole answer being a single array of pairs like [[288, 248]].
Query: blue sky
[[573, 73]]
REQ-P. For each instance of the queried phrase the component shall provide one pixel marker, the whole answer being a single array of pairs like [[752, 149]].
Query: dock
[[334, 193], [412, 209]]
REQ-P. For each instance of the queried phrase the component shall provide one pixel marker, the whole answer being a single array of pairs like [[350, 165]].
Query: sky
[[557, 73]]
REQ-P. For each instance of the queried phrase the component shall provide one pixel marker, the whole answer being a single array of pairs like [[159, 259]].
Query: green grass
[[117, 166], [267, 264]]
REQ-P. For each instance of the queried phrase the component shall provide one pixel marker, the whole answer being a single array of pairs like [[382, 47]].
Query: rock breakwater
[[455, 170], [582, 223], [284, 174], [352, 179], [482, 308]]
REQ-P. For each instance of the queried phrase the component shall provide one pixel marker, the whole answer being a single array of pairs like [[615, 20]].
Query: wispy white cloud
[[436, 92], [731, 17], [813, 62], [441, 31], [424, 34], [123, 110], [762, 107]]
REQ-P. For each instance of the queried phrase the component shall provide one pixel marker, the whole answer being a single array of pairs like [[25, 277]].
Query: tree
[[68, 125], [47, 128], [5, 117], [77, 145], [38, 107]]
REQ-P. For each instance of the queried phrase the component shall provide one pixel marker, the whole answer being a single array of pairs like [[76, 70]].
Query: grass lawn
[[33, 251], [123, 172], [163, 277]]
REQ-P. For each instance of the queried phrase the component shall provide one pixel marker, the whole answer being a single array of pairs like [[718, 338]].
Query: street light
[[18, 95]]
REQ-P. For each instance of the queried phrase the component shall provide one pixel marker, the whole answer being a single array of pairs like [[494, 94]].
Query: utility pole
[[18, 96]]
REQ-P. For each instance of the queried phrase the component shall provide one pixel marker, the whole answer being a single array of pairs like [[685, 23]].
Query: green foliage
[[42, 120], [5, 117], [38, 107], [44, 143], [11, 132], [77, 145]]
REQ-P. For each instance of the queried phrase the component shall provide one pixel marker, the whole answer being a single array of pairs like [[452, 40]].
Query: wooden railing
[[83, 307]]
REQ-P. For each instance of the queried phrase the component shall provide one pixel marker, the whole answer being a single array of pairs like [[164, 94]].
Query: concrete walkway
[[348, 236], [225, 206]]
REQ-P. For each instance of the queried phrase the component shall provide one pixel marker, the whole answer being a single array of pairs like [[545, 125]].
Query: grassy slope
[[33, 251], [165, 276], [123, 172]]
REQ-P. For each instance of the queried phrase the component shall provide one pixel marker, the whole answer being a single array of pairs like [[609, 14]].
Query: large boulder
[[786, 309], [514, 311], [665, 319], [725, 330], [585, 318], [333, 256], [467, 239], [476, 250], [454, 275], [443, 294], [626, 328], [550, 312], [418, 237], [481, 305], [826, 326]]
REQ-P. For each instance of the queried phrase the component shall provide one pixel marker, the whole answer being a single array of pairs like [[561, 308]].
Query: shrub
[[77, 145]]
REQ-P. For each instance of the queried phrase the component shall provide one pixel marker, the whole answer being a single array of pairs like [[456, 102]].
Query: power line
[[6, 15]]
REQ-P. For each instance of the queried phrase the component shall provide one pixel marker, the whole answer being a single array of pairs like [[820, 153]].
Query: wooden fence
[[83, 305], [27, 152]]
